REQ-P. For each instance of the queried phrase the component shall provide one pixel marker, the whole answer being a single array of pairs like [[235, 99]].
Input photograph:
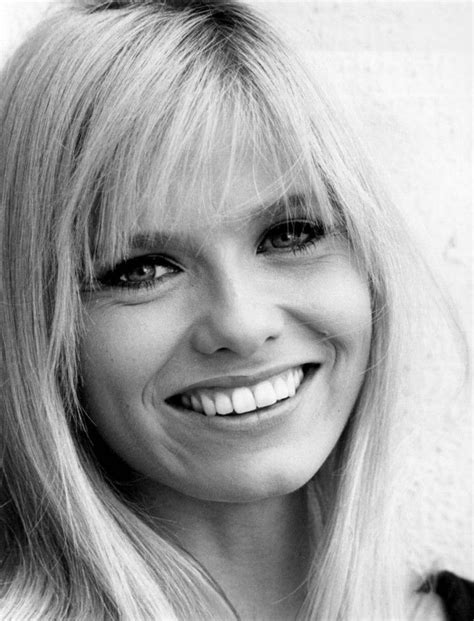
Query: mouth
[[244, 399]]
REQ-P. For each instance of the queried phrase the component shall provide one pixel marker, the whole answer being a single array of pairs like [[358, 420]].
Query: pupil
[[141, 273], [291, 236]]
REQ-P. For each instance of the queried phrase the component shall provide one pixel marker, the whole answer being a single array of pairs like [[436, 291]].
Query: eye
[[291, 235], [148, 270]]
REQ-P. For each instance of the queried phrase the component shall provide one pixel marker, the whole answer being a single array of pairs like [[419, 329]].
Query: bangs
[[195, 167], [174, 121]]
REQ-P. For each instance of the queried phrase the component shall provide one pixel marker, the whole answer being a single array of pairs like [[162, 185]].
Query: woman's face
[[223, 360]]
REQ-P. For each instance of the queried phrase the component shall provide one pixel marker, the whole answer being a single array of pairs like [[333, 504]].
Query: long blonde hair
[[102, 109]]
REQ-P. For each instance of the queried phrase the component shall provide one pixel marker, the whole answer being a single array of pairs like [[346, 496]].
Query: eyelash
[[292, 227], [112, 279]]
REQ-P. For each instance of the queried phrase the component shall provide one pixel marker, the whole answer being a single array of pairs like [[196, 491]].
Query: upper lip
[[237, 381]]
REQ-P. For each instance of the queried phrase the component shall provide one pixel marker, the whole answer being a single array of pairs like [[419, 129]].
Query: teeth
[[186, 401], [223, 404], [281, 388], [245, 399], [196, 403], [264, 394], [291, 385], [208, 405]]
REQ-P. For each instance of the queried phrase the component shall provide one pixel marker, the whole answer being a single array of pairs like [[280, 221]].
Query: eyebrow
[[283, 206]]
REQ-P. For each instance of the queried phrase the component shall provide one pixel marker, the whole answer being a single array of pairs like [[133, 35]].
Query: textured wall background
[[403, 70]]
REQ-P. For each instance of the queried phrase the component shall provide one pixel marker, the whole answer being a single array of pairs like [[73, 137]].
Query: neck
[[258, 552]]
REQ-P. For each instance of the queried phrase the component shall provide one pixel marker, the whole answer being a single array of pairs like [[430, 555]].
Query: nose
[[239, 315]]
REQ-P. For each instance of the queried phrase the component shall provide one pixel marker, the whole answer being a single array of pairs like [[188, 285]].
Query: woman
[[199, 357]]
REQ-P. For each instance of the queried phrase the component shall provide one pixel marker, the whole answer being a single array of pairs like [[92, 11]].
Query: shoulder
[[455, 593]]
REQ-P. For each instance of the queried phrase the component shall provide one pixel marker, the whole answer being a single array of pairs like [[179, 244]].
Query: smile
[[243, 399]]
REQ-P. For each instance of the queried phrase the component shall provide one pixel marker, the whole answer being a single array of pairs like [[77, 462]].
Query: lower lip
[[249, 421]]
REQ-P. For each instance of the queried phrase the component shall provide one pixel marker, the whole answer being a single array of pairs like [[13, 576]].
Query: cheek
[[124, 346], [335, 309], [112, 364], [121, 350], [122, 353], [334, 302], [348, 308]]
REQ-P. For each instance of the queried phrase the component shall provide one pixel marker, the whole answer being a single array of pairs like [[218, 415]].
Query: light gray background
[[403, 69]]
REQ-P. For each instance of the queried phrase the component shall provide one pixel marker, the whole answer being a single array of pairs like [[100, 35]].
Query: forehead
[[228, 191], [208, 180]]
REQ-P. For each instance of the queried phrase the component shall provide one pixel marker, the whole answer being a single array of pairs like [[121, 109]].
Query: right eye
[[144, 271]]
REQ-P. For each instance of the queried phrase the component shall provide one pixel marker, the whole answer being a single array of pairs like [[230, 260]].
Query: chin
[[241, 485]]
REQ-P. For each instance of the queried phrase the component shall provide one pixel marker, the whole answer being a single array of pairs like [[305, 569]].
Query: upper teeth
[[244, 399]]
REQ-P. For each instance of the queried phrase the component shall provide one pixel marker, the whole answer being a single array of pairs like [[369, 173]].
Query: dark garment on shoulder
[[457, 595]]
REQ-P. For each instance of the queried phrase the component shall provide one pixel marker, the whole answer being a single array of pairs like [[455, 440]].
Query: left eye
[[139, 271], [292, 235]]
